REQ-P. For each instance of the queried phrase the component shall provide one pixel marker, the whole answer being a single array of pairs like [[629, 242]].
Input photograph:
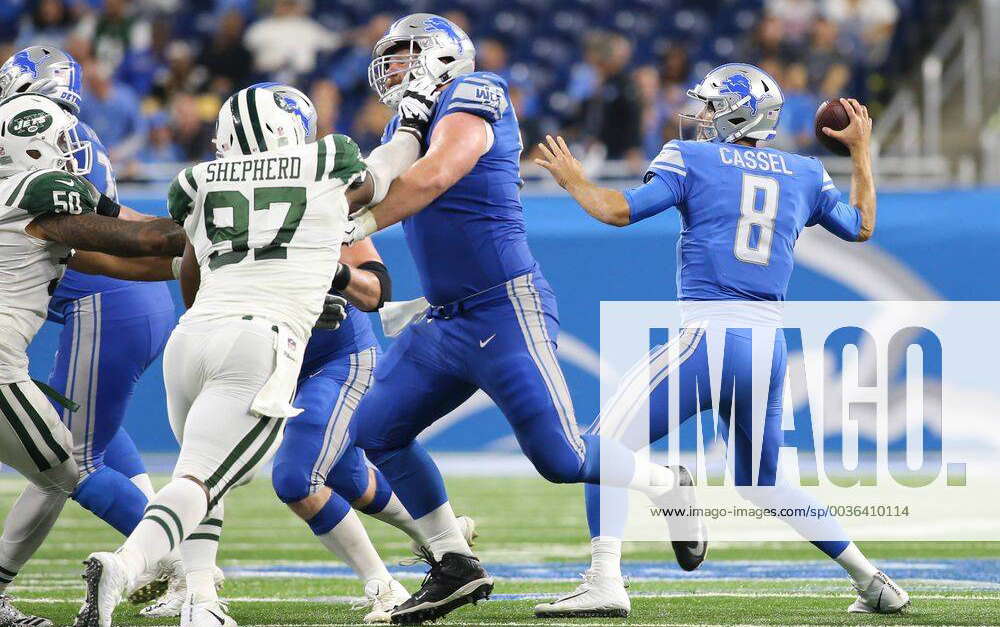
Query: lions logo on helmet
[[294, 101], [43, 70], [419, 45], [740, 101]]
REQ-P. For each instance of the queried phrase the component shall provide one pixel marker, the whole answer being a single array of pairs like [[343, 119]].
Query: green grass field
[[279, 575]]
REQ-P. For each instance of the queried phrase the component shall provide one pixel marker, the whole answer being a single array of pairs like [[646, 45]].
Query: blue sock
[[113, 498], [832, 548], [414, 477], [383, 491], [328, 517]]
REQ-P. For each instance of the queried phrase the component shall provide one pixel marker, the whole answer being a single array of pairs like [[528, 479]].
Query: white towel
[[397, 315], [275, 399]]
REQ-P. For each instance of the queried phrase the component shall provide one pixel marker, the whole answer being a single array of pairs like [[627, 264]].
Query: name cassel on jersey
[[264, 169]]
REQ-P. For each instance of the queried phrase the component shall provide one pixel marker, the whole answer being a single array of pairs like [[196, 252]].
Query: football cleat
[[468, 527], [382, 597], [689, 553], [882, 596], [169, 605], [153, 583], [207, 614], [107, 579], [454, 581], [10, 616], [598, 596]]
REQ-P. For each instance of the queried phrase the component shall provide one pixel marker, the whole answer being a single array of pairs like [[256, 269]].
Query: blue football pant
[[318, 447], [106, 343], [504, 345], [692, 364]]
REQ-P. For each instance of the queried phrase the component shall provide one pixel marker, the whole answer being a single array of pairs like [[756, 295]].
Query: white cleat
[[153, 583], [382, 598], [13, 617], [107, 580], [207, 614], [597, 596], [468, 527], [882, 596], [169, 605]]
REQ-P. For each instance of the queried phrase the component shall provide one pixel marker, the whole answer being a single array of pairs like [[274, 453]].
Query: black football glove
[[416, 106], [334, 312]]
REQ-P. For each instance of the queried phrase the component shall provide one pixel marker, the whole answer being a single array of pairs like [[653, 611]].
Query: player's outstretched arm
[[127, 268], [459, 140], [88, 231], [605, 204], [857, 137], [362, 277]]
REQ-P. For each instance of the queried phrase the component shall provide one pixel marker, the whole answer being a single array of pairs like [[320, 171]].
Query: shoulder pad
[[338, 157], [55, 191], [480, 93]]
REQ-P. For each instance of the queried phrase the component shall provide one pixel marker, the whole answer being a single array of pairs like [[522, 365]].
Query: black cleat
[[455, 581], [689, 553]]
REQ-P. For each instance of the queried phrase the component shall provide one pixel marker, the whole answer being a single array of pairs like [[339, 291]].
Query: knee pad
[[61, 479], [291, 482], [558, 468]]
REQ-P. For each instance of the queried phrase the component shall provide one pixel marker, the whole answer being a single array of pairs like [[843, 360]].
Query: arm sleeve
[[483, 95], [663, 185], [388, 161], [833, 214]]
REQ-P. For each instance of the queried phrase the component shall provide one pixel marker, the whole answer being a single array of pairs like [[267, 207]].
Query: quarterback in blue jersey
[[112, 330], [491, 321], [742, 207]]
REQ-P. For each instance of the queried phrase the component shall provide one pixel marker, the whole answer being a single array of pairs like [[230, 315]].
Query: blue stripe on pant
[[505, 345], [318, 447], [106, 343]]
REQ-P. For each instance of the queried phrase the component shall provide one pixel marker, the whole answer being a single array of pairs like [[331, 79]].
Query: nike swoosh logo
[[216, 617], [66, 182], [483, 343]]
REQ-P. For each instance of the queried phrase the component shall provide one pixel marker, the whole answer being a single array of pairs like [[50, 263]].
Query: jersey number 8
[[753, 221], [227, 219]]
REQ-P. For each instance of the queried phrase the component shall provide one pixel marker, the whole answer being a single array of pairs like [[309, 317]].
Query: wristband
[[108, 207], [342, 278], [175, 266], [384, 281]]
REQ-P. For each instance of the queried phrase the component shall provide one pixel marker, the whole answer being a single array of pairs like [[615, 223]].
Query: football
[[832, 114]]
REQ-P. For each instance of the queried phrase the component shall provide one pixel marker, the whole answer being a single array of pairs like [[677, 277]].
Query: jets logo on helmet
[[255, 120], [37, 133], [28, 123], [739, 101], [417, 46]]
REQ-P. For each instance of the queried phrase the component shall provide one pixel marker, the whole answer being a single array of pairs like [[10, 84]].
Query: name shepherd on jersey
[[266, 169]]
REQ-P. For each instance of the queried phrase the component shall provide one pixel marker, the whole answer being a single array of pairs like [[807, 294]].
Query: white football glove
[[359, 226], [334, 312], [417, 105]]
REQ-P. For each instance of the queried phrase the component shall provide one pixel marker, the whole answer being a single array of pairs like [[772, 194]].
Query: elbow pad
[[389, 160], [385, 282]]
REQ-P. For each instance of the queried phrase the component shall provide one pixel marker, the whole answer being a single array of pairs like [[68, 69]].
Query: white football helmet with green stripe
[[36, 133], [255, 120]]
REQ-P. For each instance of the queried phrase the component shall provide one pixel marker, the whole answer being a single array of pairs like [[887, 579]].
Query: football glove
[[359, 226], [416, 106], [334, 312]]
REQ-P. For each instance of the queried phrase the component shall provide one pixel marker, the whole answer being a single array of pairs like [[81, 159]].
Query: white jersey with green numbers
[[30, 267], [267, 229]]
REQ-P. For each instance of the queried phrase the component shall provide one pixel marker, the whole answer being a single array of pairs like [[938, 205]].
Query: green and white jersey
[[267, 229], [30, 267]]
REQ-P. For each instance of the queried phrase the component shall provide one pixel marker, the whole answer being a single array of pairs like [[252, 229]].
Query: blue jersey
[[76, 285], [741, 209], [353, 336], [472, 237]]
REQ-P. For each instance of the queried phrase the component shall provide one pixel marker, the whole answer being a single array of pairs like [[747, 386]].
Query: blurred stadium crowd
[[608, 73]]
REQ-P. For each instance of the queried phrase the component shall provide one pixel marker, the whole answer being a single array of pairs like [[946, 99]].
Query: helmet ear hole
[[34, 154]]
